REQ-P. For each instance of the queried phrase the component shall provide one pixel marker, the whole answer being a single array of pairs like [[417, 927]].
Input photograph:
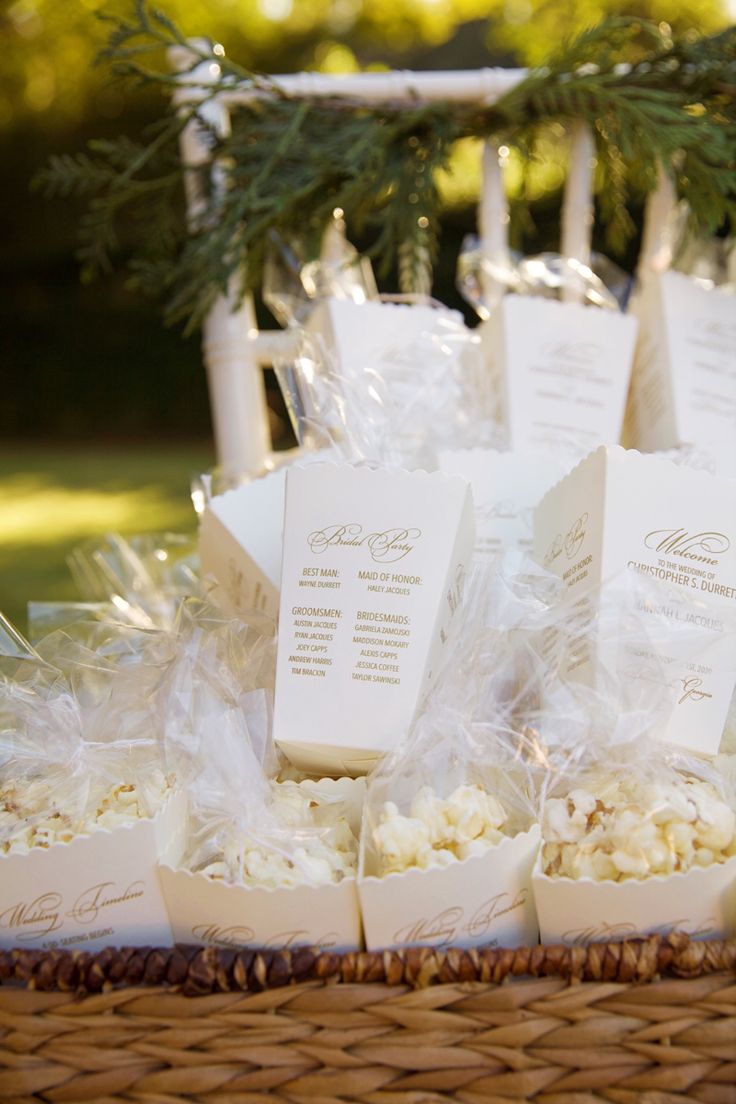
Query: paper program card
[[506, 488], [97, 891], [240, 537], [621, 512], [373, 568], [700, 901], [565, 373], [684, 381], [485, 900], [214, 913], [373, 335]]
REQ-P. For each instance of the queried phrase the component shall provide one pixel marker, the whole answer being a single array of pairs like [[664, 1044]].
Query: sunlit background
[[104, 416]]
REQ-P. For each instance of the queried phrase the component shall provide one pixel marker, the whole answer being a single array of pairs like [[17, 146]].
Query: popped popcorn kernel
[[31, 815], [307, 842], [631, 829], [400, 839], [439, 830]]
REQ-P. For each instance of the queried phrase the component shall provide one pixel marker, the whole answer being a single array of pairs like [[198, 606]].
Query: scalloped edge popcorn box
[[373, 569], [240, 538], [701, 902], [409, 353], [695, 457], [485, 900], [561, 371], [506, 488], [213, 913], [621, 510], [97, 891], [367, 335], [683, 387]]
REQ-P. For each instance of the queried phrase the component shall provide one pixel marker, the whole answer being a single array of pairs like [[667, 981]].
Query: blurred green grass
[[52, 499]]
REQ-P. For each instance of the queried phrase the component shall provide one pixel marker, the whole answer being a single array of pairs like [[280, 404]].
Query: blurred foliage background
[[119, 402], [94, 362]]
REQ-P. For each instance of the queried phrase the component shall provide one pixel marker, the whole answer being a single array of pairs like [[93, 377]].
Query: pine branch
[[288, 163]]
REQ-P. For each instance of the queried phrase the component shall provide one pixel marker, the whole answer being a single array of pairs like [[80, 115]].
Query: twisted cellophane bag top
[[292, 286], [144, 578], [384, 408], [137, 580], [601, 283], [245, 827], [80, 745], [458, 784]]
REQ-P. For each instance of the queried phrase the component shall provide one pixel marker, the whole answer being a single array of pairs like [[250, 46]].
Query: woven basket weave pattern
[[395, 1028]]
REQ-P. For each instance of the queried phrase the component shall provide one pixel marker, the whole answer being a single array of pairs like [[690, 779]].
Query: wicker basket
[[648, 1020]]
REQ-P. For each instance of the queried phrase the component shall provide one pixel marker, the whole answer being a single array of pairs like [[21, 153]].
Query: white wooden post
[[233, 348], [577, 207], [235, 380], [493, 224], [656, 244]]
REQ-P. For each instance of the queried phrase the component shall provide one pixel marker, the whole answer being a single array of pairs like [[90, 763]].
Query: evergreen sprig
[[287, 163]]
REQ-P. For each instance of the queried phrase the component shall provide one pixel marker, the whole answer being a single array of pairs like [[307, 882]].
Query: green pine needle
[[287, 163]]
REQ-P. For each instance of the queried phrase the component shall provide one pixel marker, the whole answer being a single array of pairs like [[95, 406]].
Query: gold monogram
[[691, 690], [43, 915], [89, 903], [702, 547], [443, 929], [235, 936], [386, 547], [570, 543]]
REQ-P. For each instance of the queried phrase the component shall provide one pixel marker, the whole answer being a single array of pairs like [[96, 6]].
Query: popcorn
[[319, 845], [316, 863], [33, 815], [474, 813], [401, 840], [716, 823], [635, 829], [566, 823], [438, 830], [431, 814]]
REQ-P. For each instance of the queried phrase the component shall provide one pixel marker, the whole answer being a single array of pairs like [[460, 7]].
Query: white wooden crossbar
[[455, 85], [233, 349]]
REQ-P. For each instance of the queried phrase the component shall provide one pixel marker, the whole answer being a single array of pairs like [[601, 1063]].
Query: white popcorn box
[[701, 902], [485, 900], [240, 537], [683, 388], [619, 511], [373, 567], [372, 334], [214, 913], [562, 371], [99, 890], [506, 488]]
